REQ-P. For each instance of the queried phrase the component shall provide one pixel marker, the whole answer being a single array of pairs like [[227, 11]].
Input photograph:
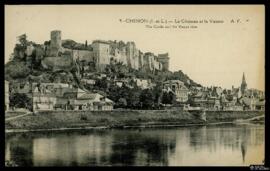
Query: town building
[[260, 105], [199, 99], [213, 103], [120, 82], [142, 83], [92, 102], [249, 103], [178, 88], [54, 96], [43, 99], [88, 81]]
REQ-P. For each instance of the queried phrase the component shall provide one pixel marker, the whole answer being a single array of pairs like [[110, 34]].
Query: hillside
[[35, 64]]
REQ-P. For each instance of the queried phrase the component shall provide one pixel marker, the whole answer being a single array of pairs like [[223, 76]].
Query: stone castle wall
[[56, 42], [103, 51], [164, 60], [85, 55], [57, 63]]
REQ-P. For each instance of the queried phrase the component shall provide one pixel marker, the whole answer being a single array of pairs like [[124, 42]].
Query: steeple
[[244, 79], [243, 84]]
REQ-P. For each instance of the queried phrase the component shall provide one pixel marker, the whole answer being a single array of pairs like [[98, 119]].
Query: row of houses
[[59, 96], [215, 98]]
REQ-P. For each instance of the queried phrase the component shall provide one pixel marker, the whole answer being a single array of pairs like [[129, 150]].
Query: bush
[[16, 69], [20, 101], [83, 118]]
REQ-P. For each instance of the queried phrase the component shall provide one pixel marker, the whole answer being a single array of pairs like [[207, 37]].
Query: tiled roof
[[80, 101], [89, 96]]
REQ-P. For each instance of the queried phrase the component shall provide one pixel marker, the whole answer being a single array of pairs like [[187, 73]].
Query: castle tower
[[56, 42], [164, 60], [130, 50], [243, 84], [101, 53]]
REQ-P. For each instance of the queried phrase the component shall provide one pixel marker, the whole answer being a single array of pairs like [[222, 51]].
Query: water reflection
[[189, 146]]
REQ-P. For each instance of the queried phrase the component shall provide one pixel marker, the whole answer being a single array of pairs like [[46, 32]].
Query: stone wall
[[148, 61], [86, 55], [57, 63], [135, 64], [130, 49], [123, 56], [231, 115], [164, 60]]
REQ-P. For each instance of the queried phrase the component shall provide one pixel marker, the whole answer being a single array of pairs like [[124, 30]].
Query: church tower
[[243, 84]]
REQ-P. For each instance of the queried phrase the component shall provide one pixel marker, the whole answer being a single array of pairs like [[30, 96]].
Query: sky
[[211, 54]]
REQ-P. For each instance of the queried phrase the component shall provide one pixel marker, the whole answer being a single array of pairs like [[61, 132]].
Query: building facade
[[178, 88], [43, 99]]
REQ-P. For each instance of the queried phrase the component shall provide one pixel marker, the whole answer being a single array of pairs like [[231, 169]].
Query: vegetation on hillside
[[22, 68]]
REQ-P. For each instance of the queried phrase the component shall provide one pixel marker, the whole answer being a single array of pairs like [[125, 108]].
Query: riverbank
[[61, 120]]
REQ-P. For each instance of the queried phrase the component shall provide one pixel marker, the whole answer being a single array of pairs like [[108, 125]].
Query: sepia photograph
[[134, 85]]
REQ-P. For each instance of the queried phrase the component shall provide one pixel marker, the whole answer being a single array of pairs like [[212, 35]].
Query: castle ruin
[[102, 52]]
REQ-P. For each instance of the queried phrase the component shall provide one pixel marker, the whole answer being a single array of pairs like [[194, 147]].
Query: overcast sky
[[212, 54]]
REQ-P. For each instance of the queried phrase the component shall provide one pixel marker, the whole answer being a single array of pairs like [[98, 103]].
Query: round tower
[[56, 39]]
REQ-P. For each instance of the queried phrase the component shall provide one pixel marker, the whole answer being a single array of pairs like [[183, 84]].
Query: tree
[[18, 100], [147, 99], [113, 93], [23, 40], [122, 102], [101, 84], [133, 99], [16, 69], [168, 98], [11, 57], [157, 92]]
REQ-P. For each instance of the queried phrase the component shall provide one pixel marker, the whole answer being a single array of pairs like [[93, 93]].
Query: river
[[213, 145]]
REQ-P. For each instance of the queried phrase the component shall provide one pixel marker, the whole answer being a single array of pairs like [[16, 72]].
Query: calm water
[[188, 146]]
